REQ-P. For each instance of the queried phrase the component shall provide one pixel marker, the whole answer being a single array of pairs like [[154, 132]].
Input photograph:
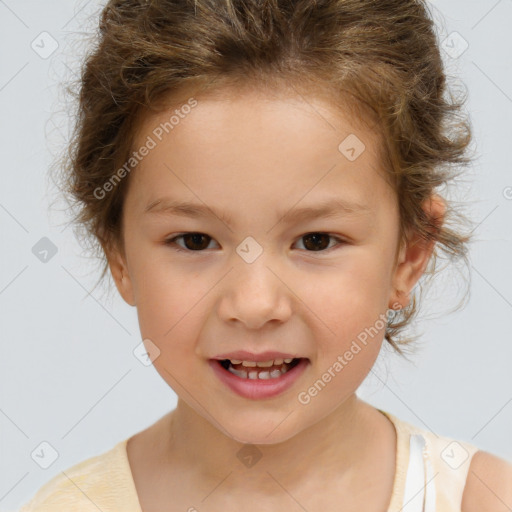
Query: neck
[[335, 445]]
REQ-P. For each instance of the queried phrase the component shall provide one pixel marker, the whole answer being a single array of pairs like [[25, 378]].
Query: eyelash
[[171, 241]]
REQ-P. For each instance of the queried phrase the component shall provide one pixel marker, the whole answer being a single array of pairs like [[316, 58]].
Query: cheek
[[349, 315], [345, 358], [167, 299], [352, 293]]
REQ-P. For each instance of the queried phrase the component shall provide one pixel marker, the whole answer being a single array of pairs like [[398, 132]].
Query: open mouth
[[258, 380], [262, 370]]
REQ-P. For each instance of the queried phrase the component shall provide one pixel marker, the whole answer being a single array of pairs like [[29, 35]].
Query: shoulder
[[81, 487], [474, 480], [488, 485], [62, 492]]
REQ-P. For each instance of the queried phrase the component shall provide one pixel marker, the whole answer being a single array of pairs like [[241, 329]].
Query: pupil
[[315, 237], [195, 237]]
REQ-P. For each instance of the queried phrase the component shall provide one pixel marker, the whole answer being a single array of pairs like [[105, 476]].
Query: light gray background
[[68, 376]]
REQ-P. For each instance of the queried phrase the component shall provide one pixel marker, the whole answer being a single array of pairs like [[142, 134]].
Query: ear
[[415, 254], [119, 269]]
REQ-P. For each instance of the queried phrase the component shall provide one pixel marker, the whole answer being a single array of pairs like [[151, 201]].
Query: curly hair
[[379, 58]]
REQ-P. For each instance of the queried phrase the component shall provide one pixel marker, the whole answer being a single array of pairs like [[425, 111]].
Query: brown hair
[[379, 57]]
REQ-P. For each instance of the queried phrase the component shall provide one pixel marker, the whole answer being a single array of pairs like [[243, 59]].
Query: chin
[[260, 432]]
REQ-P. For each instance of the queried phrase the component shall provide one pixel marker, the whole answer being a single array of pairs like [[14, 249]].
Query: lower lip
[[256, 389]]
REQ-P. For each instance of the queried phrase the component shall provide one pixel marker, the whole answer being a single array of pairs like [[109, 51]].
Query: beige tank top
[[431, 470]]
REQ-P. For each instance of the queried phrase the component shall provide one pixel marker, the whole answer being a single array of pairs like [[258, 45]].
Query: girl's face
[[295, 237]]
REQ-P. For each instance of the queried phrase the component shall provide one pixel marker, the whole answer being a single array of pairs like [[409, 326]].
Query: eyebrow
[[333, 207]]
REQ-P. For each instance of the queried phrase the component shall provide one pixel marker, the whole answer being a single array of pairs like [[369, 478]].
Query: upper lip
[[243, 355]]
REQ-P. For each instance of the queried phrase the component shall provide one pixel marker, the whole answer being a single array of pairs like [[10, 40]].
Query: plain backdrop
[[70, 384]]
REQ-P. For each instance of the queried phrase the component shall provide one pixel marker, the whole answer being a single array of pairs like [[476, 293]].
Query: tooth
[[264, 375], [249, 363], [277, 362], [253, 375], [235, 361], [275, 373], [264, 364], [288, 360], [238, 373]]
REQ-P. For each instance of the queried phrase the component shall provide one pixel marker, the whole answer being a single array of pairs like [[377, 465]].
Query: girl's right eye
[[194, 242]]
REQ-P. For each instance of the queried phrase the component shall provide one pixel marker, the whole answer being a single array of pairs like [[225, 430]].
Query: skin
[[252, 154]]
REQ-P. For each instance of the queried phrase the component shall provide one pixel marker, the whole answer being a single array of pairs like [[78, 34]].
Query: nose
[[255, 294]]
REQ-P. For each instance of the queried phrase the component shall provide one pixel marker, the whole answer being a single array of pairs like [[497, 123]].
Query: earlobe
[[415, 254], [121, 276]]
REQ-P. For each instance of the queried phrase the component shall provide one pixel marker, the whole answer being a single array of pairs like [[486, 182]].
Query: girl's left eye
[[319, 241], [195, 242]]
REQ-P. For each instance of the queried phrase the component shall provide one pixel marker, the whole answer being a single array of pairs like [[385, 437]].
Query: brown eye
[[318, 241], [192, 241]]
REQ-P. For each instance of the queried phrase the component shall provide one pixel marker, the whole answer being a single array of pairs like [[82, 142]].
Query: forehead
[[259, 146]]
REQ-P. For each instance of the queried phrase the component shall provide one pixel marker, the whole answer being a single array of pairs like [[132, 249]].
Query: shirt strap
[[420, 492]]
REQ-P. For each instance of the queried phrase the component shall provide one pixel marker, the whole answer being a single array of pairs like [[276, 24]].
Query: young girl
[[262, 176]]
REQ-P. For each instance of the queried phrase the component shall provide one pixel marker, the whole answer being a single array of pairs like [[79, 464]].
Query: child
[[262, 177]]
